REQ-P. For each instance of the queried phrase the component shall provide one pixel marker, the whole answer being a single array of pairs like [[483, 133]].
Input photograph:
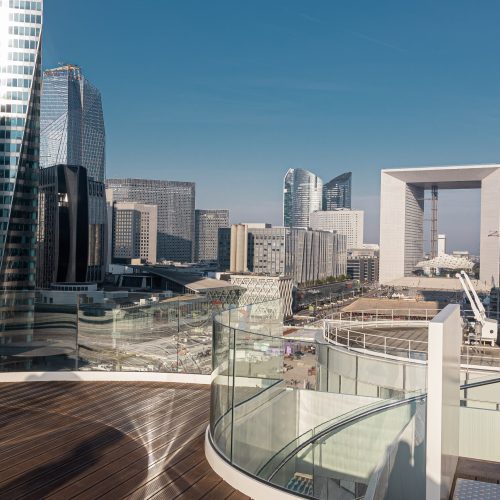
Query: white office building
[[350, 223]]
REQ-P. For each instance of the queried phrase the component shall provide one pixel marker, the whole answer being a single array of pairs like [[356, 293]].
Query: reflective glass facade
[[302, 194], [72, 122], [20, 79], [337, 192]]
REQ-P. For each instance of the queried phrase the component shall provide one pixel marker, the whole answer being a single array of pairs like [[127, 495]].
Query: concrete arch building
[[402, 216]]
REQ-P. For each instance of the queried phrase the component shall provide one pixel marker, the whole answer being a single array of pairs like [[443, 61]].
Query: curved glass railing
[[137, 332], [271, 394]]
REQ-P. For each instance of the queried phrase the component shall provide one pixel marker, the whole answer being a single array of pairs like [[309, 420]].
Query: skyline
[[397, 87]]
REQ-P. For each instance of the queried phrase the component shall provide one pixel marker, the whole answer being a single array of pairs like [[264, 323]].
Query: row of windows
[[17, 70], [16, 82], [13, 108], [8, 160], [11, 134], [24, 31], [8, 174], [22, 56], [5, 200], [10, 121], [24, 4], [15, 95], [25, 18], [10, 147], [17, 43]]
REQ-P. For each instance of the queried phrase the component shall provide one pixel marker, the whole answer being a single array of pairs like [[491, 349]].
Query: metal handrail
[[363, 414]]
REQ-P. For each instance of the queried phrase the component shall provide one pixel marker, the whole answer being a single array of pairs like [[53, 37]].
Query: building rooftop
[[442, 284], [106, 440]]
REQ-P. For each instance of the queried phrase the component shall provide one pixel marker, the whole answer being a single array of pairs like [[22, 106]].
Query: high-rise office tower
[[207, 225], [20, 80], [132, 229], [337, 192], [302, 195], [175, 202], [72, 227], [72, 122], [344, 221]]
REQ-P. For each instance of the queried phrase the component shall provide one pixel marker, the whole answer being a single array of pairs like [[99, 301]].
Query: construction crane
[[484, 329]]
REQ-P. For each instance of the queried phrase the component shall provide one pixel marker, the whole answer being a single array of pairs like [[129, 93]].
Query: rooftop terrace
[[89, 440]]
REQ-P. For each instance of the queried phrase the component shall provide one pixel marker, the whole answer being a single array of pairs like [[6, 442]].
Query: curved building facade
[[72, 122], [337, 192], [302, 195], [20, 79]]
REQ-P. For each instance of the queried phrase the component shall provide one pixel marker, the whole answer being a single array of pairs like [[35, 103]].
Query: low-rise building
[[262, 289]]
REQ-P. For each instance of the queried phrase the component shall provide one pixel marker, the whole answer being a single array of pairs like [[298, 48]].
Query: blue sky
[[231, 93]]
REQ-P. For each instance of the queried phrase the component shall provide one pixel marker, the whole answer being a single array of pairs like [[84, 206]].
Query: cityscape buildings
[[207, 225], [175, 201], [312, 256], [72, 122], [337, 192], [302, 195], [72, 229], [20, 81], [347, 222], [133, 229]]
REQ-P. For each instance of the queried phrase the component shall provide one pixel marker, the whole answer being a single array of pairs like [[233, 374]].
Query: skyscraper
[[337, 192], [72, 227], [175, 201], [132, 230], [72, 122], [302, 195], [20, 79], [207, 224]]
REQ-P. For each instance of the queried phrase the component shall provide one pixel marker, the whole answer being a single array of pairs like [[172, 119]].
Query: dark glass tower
[[337, 192], [20, 79], [72, 122]]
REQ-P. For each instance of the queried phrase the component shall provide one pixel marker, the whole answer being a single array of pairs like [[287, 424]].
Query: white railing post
[[385, 345], [409, 348], [364, 340], [348, 346]]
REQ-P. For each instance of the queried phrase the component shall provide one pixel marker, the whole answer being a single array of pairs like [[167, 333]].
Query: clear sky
[[232, 93]]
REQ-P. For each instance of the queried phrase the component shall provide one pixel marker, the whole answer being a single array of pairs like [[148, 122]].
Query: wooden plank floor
[[106, 440]]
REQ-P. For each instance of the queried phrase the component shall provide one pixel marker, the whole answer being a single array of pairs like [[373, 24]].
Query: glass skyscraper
[[337, 192], [72, 122], [20, 79], [302, 193]]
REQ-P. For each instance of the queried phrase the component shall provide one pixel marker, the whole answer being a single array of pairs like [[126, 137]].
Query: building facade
[[207, 225], [266, 250], [337, 192], [260, 290], [224, 248], [363, 268], [72, 122], [134, 230], [175, 202], [302, 195], [313, 256], [347, 222], [20, 85], [72, 227]]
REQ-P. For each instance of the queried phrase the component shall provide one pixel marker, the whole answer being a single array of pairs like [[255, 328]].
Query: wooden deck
[[106, 440]]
